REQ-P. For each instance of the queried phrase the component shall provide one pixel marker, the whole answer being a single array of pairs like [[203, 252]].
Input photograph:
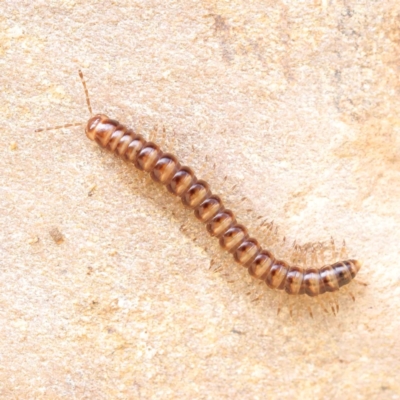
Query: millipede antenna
[[86, 92]]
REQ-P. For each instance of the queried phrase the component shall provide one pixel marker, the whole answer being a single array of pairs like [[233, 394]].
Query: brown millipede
[[220, 222]]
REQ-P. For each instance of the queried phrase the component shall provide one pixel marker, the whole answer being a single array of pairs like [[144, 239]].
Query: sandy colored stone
[[297, 104]]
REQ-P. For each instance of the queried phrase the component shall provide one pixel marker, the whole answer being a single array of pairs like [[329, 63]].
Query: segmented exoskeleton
[[208, 208]]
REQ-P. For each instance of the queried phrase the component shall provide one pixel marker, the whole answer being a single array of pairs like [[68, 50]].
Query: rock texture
[[105, 287]]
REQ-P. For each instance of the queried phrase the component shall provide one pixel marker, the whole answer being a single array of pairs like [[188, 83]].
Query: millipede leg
[[333, 249], [257, 298], [322, 306], [360, 282], [218, 269], [343, 251], [291, 310], [321, 252], [172, 144], [191, 155], [163, 137], [333, 310], [153, 134], [314, 258]]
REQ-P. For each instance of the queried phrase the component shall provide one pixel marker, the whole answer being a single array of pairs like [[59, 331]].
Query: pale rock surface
[[296, 102]]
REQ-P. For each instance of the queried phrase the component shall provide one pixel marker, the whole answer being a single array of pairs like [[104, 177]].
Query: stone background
[[295, 102]]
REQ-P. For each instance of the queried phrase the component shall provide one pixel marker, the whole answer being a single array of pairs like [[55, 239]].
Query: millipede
[[220, 222]]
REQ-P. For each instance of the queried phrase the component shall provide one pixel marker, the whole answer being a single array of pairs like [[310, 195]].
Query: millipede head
[[92, 124]]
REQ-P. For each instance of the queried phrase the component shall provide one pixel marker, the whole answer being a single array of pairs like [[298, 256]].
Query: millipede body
[[209, 209]]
